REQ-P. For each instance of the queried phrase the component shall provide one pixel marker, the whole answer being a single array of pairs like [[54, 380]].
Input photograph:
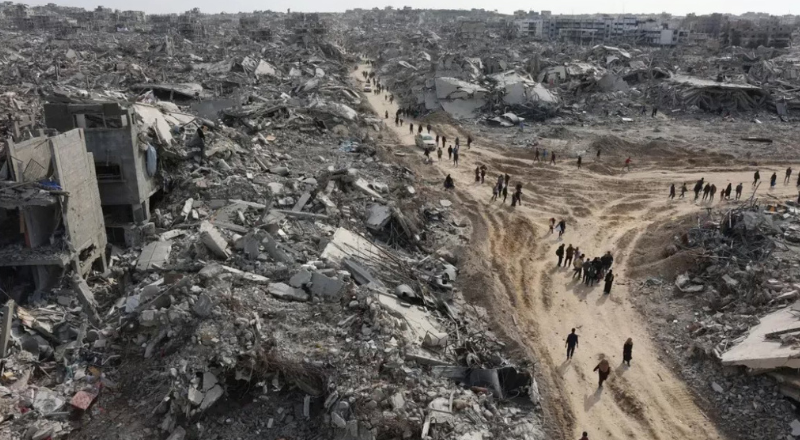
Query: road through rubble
[[542, 302]]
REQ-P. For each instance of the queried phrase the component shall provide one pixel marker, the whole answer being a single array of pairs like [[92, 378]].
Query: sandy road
[[645, 401]]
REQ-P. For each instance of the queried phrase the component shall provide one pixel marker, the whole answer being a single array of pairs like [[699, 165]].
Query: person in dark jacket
[[469, 142], [609, 282], [756, 177], [607, 261], [562, 225], [448, 182], [477, 174], [585, 436], [572, 344], [727, 194], [603, 370], [626, 351], [516, 198], [738, 190], [773, 180], [560, 254], [450, 152], [672, 191], [697, 188], [579, 161], [570, 252], [683, 190], [429, 128]]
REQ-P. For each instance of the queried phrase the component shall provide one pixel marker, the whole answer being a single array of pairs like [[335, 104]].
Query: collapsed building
[[50, 212]]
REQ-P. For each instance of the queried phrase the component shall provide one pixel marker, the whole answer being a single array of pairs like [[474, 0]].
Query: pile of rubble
[[268, 273], [737, 308]]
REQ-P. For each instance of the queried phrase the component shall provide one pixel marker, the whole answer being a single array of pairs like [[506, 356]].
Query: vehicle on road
[[425, 140], [367, 88]]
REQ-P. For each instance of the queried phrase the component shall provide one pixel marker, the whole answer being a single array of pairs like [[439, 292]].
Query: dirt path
[[645, 401]]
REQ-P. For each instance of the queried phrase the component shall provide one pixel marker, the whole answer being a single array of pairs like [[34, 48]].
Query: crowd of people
[[709, 190]]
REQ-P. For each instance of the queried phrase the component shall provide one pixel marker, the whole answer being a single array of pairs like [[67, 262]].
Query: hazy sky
[[676, 7]]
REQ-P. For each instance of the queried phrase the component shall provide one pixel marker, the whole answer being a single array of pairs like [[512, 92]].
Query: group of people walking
[[586, 270], [603, 368]]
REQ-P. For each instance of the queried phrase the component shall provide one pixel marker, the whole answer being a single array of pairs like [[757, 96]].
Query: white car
[[367, 88], [425, 140]]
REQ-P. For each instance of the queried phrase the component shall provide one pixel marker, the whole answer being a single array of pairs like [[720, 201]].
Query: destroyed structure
[[280, 276]]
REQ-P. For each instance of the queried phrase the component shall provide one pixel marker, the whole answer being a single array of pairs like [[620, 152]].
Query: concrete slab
[[213, 239], [154, 256], [419, 322], [322, 285], [287, 292], [348, 244], [759, 353], [379, 216]]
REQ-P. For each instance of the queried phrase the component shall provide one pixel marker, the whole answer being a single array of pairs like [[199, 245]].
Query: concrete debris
[[285, 291]]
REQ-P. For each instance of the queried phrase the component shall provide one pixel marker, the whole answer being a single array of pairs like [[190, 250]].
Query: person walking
[[411, 127], [577, 267], [429, 128], [444, 140], [712, 192], [536, 155], [516, 198], [469, 142], [579, 162], [672, 191], [603, 370], [477, 174], [598, 155], [495, 192], [609, 281], [552, 224], [455, 156], [655, 112], [727, 194], [562, 226], [706, 190], [628, 164], [570, 252], [697, 188], [738, 190], [572, 344], [585, 436], [386, 115], [772, 180], [458, 143], [627, 349], [788, 177], [756, 177], [450, 152], [683, 190], [419, 131], [589, 272], [553, 158], [439, 153], [437, 139], [505, 193], [544, 155], [560, 254], [483, 173]]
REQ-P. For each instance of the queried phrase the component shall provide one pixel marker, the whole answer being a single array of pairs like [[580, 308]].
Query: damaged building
[[125, 166], [50, 213]]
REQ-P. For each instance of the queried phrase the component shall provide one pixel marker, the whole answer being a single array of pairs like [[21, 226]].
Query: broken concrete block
[[251, 246], [380, 187], [46, 401], [338, 421], [281, 171], [276, 188], [717, 387], [274, 251], [211, 397], [287, 292], [209, 380], [213, 239], [434, 339], [148, 318], [202, 307], [379, 216], [178, 434], [210, 271], [196, 396], [300, 279], [404, 291], [86, 298], [730, 281], [322, 285], [398, 401]]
